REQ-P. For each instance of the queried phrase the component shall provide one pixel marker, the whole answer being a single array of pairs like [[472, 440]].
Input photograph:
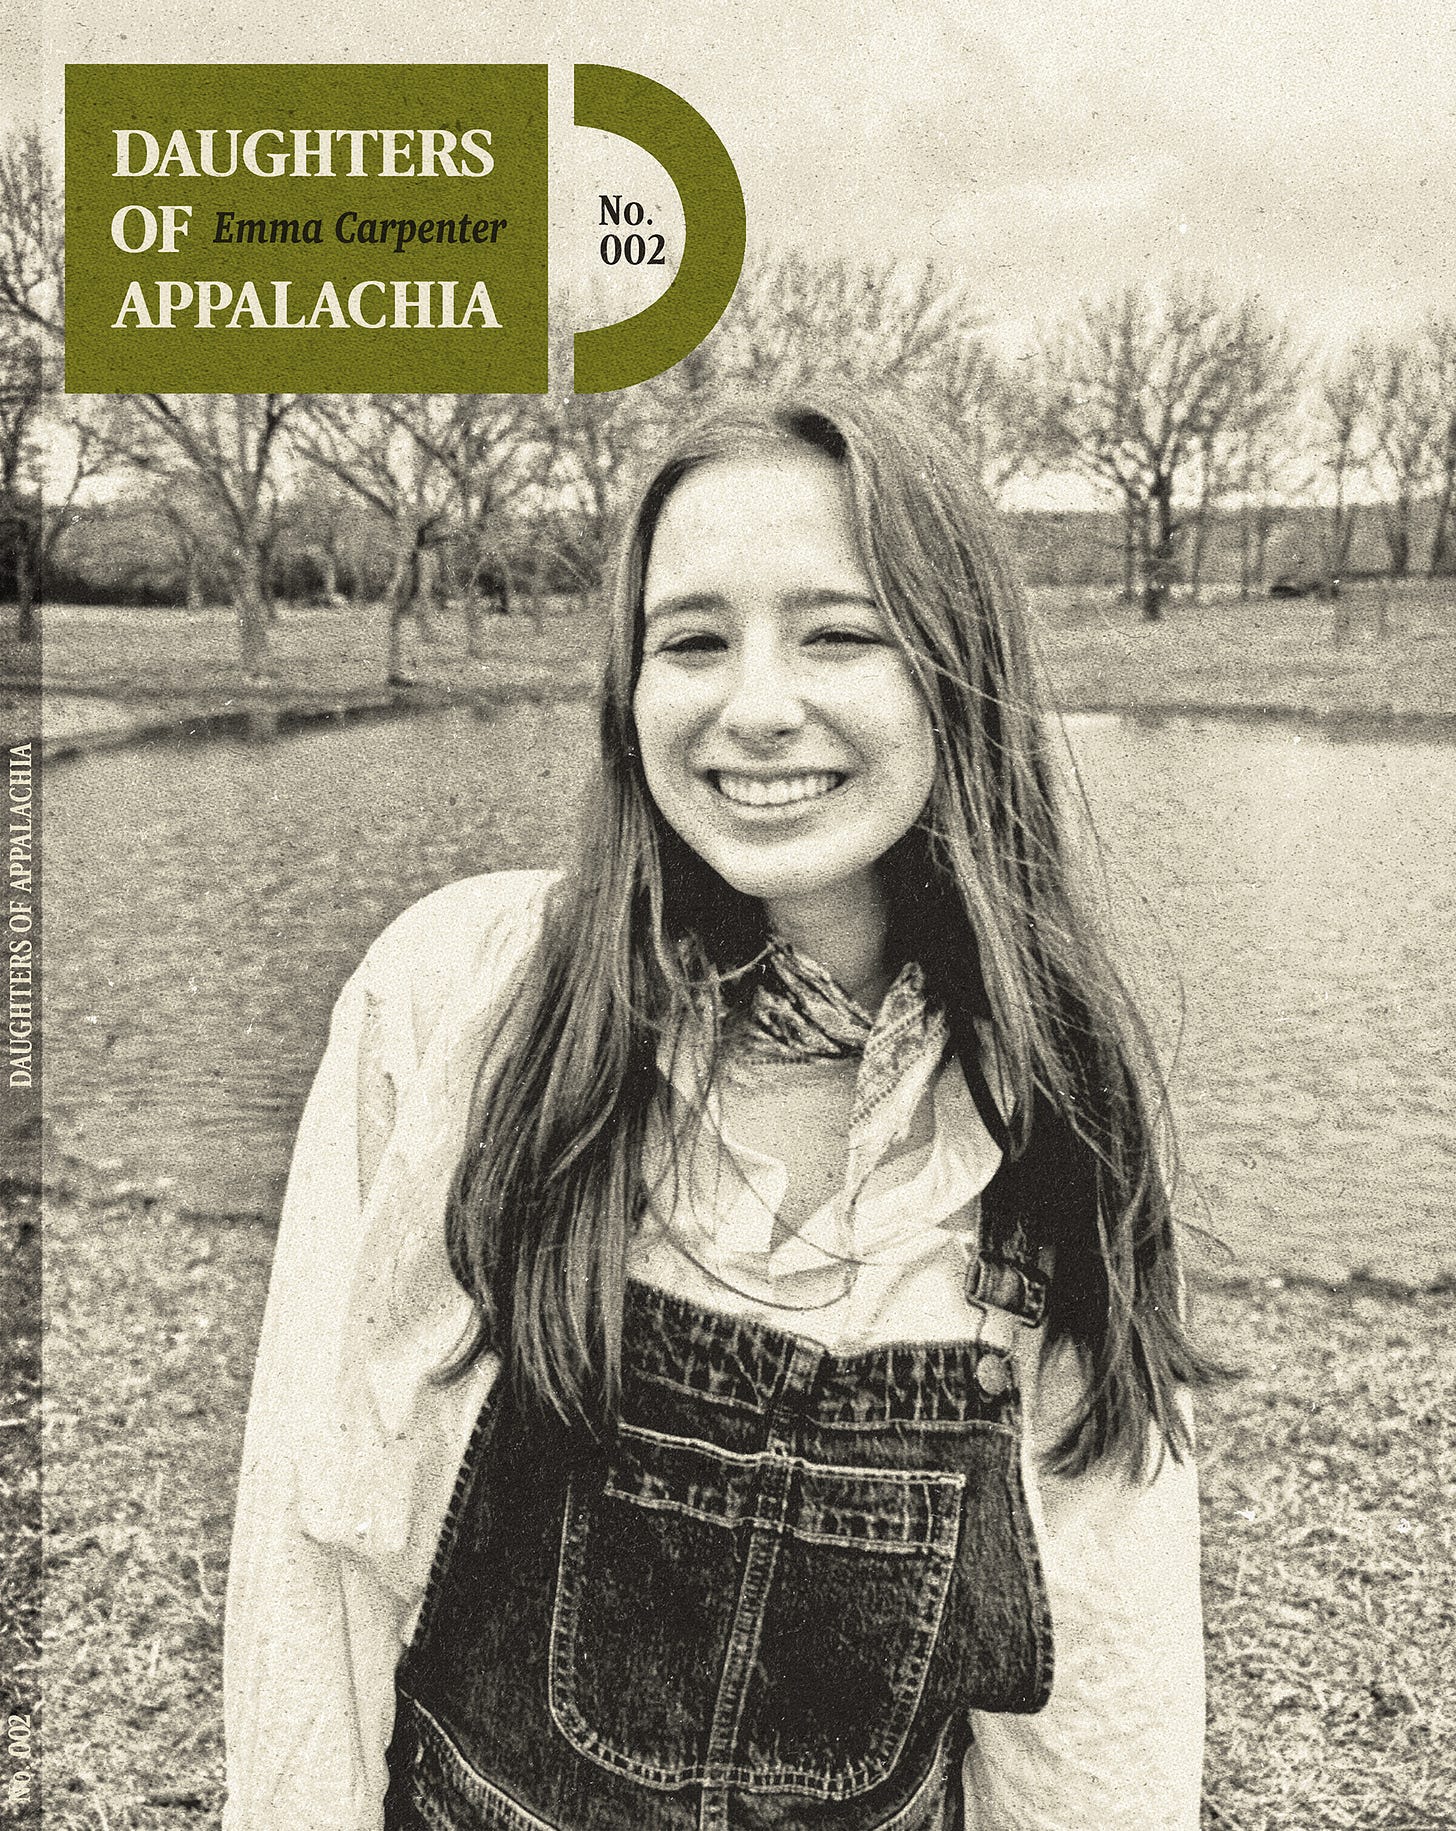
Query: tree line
[[1183, 405]]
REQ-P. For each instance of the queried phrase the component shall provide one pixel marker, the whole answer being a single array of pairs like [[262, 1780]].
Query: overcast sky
[[1045, 148]]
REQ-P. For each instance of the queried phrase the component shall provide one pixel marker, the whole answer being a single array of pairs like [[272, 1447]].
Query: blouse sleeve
[[310, 1643], [321, 1599], [1120, 1744]]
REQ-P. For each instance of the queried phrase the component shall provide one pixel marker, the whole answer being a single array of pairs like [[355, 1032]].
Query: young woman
[[724, 1364]]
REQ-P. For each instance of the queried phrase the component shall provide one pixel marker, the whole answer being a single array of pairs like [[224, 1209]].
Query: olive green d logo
[[714, 228]]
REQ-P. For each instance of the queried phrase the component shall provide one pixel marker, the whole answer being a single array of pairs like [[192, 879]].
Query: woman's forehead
[[754, 518]]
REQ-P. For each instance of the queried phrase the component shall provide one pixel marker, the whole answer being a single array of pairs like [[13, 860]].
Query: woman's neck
[[843, 928]]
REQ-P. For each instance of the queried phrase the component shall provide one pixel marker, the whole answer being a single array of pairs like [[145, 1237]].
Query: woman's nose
[[764, 698]]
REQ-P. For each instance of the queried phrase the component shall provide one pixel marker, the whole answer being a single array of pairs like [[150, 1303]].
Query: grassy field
[[1329, 1481], [1397, 657], [113, 672]]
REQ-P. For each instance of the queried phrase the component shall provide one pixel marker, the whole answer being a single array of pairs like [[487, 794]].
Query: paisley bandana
[[799, 1013]]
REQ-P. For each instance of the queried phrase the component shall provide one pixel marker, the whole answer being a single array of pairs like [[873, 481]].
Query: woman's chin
[[791, 895]]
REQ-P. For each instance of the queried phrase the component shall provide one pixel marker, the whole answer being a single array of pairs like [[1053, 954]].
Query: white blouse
[[351, 1451]]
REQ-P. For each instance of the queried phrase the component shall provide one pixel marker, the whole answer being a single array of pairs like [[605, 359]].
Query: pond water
[[1284, 898]]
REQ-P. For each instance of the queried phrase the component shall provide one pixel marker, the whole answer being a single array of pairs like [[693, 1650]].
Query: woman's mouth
[[774, 791]]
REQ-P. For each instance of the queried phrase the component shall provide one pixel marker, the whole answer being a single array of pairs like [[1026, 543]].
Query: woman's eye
[[695, 642], [848, 638]]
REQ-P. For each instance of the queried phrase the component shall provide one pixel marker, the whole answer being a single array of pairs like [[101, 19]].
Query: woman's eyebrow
[[823, 597], [816, 597], [704, 603], [686, 603]]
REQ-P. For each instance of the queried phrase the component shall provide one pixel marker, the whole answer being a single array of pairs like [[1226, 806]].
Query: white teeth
[[778, 791]]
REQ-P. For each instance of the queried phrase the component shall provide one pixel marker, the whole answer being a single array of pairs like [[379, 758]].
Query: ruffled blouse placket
[[718, 1199]]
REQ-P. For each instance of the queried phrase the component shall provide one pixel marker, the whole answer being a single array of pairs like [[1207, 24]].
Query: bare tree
[[1243, 456], [1405, 416], [21, 395], [32, 316], [1274, 471], [80, 447], [32, 249], [494, 452], [1439, 338], [1343, 420], [795, 319], [589, 444], [436, 468], [995, 401], [224, 454], [1137, 388]]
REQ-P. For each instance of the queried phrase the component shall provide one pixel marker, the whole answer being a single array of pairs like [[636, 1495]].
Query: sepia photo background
[[1188, 282]]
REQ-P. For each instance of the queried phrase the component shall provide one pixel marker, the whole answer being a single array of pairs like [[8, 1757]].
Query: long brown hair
[[549, 1188]]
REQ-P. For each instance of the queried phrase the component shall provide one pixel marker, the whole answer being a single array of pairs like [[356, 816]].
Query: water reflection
[[1306, 892], [205, 901]]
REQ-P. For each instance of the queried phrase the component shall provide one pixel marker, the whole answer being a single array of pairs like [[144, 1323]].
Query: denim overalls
[[769, 1602]]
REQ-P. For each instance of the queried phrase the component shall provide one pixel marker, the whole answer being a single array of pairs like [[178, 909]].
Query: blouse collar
[[718, 1197]]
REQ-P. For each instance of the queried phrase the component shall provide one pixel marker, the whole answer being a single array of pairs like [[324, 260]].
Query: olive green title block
[[333, 228]]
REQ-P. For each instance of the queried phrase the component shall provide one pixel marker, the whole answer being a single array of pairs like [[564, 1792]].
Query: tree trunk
[[404, 615], [400, 655], [27, 627], [1264, 524], [429, 591], [1397, 518], [1161, 531], [1129, 551], [192, 585], [1202, 523], [252, 612], [328, 566], [250, 601], [1443, 548], [1199, 553], [1246, 553], [483, 608]]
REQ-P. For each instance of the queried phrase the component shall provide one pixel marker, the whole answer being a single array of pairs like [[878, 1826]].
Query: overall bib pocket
[[757, 1621]]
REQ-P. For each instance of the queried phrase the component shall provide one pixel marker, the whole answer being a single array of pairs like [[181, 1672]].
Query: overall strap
[[1021, 1207], [1012, 1270], [1041, 1197]]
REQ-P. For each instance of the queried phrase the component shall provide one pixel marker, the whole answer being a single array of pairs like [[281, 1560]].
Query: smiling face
[[781, 733]]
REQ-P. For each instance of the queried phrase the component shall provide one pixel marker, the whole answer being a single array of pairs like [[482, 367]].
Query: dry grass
[[1329, 1482], [146, 656], [1329, 1476], [151, 1325], [1399, 658], [20, 1520]]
